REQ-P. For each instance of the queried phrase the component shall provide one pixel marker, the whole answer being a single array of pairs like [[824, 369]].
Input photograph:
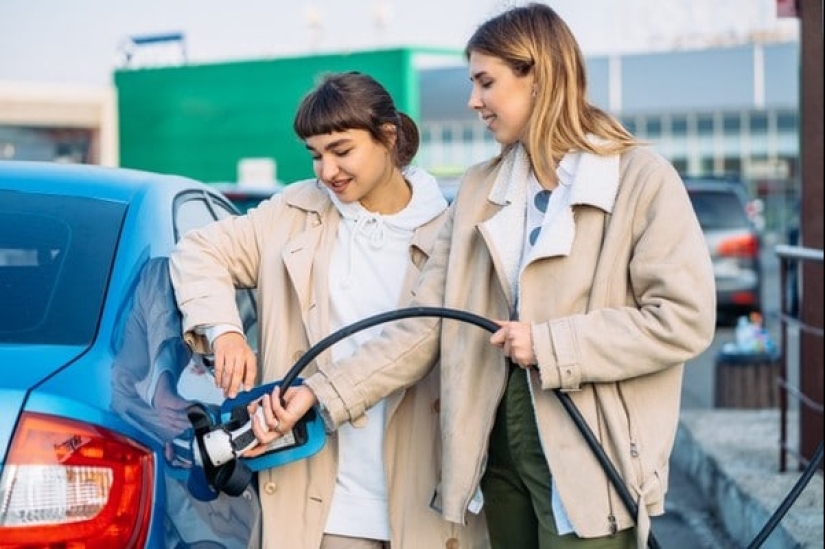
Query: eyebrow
[[330, 146], [478, 75]]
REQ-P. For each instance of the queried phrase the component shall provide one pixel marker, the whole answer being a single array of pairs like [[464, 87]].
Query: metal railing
[[791, 259]]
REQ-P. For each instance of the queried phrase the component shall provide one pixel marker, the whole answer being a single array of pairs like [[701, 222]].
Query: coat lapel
[[595, 184], [306, 258], [503, 232]]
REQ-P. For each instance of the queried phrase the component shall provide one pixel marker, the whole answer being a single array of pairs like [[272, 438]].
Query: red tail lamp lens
[[740, 246], [69, 484]]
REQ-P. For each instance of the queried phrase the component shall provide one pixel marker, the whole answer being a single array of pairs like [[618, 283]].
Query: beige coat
[[619, 298], [282, 248]]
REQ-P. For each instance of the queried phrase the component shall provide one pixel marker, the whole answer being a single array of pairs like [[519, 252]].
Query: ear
[[391, 132]]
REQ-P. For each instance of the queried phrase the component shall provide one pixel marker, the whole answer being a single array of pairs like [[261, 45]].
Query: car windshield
[[719, 210], [55, 256]]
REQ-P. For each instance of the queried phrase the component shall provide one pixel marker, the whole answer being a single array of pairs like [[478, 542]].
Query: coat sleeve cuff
[[334, 409], [555, 348], [197, 342]]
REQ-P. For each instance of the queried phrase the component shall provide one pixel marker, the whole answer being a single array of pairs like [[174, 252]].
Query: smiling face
[[356, 167], [502, 98]]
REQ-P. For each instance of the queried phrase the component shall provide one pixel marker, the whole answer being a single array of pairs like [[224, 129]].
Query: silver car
[[723, 209]]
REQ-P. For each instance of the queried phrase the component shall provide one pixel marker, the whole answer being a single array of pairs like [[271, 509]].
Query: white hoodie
[[367, 268]]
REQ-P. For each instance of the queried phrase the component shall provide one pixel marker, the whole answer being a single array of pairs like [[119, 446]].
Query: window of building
[[681, 164], [704, 124], [759, 122], [446, 134], [787, 121], [629, 124], [73, 145], [732, 164], [732, 123], [654, 127], [678, 125]]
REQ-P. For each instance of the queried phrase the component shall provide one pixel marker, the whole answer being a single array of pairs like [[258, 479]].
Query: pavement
[[732, 455]]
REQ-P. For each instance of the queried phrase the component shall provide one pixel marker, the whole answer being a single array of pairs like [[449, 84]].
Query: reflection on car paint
[[155, 377]]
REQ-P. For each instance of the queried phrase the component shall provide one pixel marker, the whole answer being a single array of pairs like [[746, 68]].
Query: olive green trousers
[[516, 483]]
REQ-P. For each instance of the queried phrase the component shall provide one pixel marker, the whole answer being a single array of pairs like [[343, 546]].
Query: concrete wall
[[36, 106]]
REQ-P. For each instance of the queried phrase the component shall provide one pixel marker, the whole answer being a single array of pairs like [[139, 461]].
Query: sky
[[82, 41]]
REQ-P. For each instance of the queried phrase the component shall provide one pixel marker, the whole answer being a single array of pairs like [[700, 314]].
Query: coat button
[[437, 406], [452, 543], [297, 355], [270, 488]]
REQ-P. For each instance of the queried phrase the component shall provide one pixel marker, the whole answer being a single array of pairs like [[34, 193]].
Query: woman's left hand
[[516, 340], [278, 420]]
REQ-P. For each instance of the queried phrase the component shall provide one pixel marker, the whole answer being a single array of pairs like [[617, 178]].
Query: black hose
[[789, 500], [489, 325]]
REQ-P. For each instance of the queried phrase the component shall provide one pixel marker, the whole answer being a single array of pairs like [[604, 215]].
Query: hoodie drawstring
[[370, 225]]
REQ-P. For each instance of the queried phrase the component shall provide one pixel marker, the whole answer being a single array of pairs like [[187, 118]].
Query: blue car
[[95, 442]]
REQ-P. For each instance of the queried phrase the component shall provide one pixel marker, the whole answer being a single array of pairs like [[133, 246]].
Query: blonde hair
[[534, 38]]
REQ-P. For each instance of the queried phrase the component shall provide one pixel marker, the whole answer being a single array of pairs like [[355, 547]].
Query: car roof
[[721, 182], [87, 180], [718, 184], [230, 189]]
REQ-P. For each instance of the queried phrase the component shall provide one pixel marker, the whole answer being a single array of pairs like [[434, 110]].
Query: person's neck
[[389, 197]]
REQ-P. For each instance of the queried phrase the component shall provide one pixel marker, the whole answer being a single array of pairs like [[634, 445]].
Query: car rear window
[[719, 209], [55, 256]]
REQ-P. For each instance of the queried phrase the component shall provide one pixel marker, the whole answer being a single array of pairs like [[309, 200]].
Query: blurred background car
[[245, 197], [95, 444], [730, 222]]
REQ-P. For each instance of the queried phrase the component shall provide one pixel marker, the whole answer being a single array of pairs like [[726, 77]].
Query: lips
[[338, 187]]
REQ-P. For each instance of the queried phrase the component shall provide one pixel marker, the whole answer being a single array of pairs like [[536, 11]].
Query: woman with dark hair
[[323, 254]]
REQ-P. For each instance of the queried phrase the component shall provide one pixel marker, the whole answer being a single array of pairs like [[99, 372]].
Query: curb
[[728, 484]]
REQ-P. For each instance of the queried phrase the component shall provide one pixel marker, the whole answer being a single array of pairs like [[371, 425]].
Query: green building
[[206, 120]]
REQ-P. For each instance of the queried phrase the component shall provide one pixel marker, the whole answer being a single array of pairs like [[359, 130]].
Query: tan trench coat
[[632, 255], [282, 248]]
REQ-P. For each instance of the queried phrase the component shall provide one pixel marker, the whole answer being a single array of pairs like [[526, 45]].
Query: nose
[[326, 168], [474, 101]]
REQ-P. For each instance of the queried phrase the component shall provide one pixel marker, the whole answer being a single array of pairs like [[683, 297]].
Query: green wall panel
[[200, 120]]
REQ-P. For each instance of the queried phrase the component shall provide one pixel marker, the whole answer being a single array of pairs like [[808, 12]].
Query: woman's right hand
[[236, 365]]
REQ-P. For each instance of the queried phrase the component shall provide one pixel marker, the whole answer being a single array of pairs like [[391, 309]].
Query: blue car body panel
[[29, 367], [75, 381], [11, 400], [31, 364]]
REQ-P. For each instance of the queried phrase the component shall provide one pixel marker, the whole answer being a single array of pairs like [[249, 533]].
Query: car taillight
[[739, 246], [68, 484], [744, 298]]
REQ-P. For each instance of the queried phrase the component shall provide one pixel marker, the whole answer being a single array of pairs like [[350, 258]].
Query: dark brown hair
[[356, 101]]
